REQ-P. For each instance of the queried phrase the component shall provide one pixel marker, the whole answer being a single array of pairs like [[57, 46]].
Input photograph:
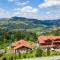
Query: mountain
[[43, 22], [25, 23]]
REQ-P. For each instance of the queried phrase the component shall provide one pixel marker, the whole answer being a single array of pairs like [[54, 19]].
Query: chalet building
[[22, 46], [49, 41]]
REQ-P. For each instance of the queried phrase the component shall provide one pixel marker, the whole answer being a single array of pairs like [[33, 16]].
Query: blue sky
[[38, 9]]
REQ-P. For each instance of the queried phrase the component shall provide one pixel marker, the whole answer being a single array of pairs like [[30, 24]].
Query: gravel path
[[44, 58]]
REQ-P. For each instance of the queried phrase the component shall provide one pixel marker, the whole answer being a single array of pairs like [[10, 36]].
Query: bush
[[48, 51], [55, 53], [19, 55], [39, 52], [51, 53], [24, 55]]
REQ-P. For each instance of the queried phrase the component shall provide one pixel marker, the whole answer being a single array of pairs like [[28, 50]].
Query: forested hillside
[[21, 23]]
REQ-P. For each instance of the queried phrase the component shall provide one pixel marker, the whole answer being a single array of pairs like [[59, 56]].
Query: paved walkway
[[44, 58]]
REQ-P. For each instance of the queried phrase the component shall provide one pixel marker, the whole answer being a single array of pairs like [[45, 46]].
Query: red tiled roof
[[21, 43], [41, 39]]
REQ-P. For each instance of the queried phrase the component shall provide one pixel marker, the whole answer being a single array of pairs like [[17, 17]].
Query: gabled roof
[[21, 43], [42, 39]]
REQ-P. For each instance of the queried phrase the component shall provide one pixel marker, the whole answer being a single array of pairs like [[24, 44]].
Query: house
[[22, 46], [49, 41]]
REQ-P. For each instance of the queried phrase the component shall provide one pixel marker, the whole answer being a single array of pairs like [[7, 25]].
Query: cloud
[[21, 3], [29, 9], [30, 12], [26, 11], [49, 3], [51, 14], [49, 9], [5, 14]]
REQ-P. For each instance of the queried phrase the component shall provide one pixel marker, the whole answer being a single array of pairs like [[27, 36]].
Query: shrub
[[19, 55], [24, 55], [48, 51], [39, 52]]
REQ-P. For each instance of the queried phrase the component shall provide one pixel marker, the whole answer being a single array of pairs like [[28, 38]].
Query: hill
[[21, 23]]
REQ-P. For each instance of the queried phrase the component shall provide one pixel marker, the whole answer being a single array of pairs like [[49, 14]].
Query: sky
[[37, 9]]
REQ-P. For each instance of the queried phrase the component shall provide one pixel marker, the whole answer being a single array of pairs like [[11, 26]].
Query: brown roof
[[21, 43]]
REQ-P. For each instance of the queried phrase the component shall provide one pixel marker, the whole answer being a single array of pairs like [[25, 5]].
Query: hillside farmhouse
[[49, 41], [22, 46]]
